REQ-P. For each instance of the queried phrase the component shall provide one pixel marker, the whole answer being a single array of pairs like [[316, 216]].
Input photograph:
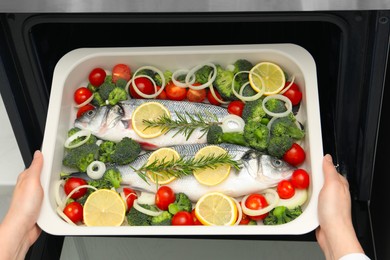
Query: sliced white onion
[[271, 122], [250, 98], [57, 191], [272, 204], [147, 198], [96, 170], [215, 95], [178, 73], [63, 203], [191, 74], [145, 211], [239, 209], [81, 133], [282, 98], [136, 89], [85, 102], [298, 199], [62, 215], [232, 123], [288, 86]]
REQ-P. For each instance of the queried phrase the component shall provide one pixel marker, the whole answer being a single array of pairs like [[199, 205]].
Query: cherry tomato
[[162, 95], [245, 219], [121, 71], [174, 92], [164, 197], [144, 85], [285, 189], [84, 109], [236, 107], [81, 95], [256, 201], [74, 211], [300, 179], [293, 93], [295, 155], [212, 99], [130, 196], [195, 219], [182, 218], [194, 95], [96, 76], [72, 183]]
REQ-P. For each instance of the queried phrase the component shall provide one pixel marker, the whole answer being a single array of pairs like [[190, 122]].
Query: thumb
[[37, 163], [330, 172]]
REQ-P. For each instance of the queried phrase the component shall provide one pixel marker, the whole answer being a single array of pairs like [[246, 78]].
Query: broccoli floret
[[223, 84], [106, 149], [167, 75], [92, 88], [105, 89], [242, 65], [121, 83], [146, 72], [253, 111], [117, 95], [164, 219], [114, 176], [215, 135], [278, 145], [136, 218], [126, 151], [275, 105], [101, 184], [182, 203], [248, 91], [256, 135], [286, 126], [92, 139], [202, 75], [252, 222], [97, 100], [281, 215], [80, 157]]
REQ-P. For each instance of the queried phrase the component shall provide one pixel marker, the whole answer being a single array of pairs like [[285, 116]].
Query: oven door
[[350, 49]]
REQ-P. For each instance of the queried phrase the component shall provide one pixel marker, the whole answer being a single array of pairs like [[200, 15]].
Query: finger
[[330, 172], [36, 164]]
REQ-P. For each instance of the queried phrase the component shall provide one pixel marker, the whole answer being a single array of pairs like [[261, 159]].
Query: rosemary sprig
[[185, 123], [185, 166]]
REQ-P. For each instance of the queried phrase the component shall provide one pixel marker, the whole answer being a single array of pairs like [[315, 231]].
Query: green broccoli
[[92, 139], [276, 105], [121, 83], [278, 145], [182, 203], [92, 88], [105, 89], [242, 65], [286, 126], [136, 218], [215, 135], [114, 176], [117, 95], [97, 100], [106, 149], [256, 135], [126, 151], [167, 75], [164, 219], [223, 84], [253, 111], [252, 222], [100, 183], [248, 91], [146, 72], [80, 157], [202, 75], [281, 215]]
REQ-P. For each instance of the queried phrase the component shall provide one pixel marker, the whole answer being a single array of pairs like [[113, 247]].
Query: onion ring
[[240, 95], [191, 73], [289, 85], [145, 211], [178, 73], [282, 98], [229, 120], [252, 212], [81, 133], [94, 173]]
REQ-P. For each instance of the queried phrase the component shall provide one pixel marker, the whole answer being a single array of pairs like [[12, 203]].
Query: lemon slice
[[104, 208], [209, 176], [166, 154], [216, 209], [149, 111], [272, 76]]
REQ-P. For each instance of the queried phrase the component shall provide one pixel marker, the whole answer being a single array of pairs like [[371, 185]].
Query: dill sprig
[[185, 123], [185, 166]]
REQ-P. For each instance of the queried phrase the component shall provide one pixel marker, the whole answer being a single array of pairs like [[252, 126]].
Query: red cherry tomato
[[72, 183], [293, 94], [295, 155], [96, 76], [212, 99], [195, 219], [74, 211], [256, 201], [300, 179], [245, 219], [144, 85], [182, 218], [194, 95], [84, 109], [236, 107], [175, 93], [121, 71], [285, 189], [130, 196], [162, 95], [81, 95], [164, 197]]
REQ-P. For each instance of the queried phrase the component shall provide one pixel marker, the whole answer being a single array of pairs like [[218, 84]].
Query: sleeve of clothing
[[355, 256]]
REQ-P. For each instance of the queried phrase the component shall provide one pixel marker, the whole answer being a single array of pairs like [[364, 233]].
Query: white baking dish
[[72, 71]]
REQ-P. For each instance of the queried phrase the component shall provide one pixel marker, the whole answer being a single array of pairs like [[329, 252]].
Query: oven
[[350, 49]]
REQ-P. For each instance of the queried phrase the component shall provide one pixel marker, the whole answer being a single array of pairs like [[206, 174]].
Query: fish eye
[[277, 162], [90, 113]]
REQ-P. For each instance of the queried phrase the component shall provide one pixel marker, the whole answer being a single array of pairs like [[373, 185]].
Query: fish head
[[98, 119]]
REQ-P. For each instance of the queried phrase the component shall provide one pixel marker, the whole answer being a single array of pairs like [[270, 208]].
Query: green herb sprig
[[185, 123]]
